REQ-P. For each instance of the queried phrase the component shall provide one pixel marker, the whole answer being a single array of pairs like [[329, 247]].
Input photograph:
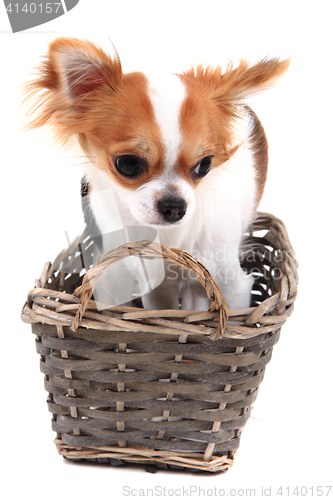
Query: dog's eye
[[204, 166], [128, 165]]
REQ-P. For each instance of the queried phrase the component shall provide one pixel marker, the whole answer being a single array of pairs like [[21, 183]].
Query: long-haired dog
[[182, 154]]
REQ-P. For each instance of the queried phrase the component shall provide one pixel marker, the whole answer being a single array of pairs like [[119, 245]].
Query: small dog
[[182, 154]]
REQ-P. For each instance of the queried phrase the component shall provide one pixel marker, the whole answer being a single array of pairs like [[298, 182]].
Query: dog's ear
[[245, 81], [230, 88], [68, 81], [80, 67]]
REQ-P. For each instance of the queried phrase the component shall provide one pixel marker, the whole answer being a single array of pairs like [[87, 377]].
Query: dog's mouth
[[166, 212], [160, 206]]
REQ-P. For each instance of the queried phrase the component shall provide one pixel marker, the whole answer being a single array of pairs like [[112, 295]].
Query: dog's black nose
[[172, 209]]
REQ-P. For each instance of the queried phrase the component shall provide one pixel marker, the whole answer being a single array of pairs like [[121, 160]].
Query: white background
[[288, 439]]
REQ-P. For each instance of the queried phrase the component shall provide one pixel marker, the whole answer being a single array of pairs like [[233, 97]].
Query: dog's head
[[155, 139]]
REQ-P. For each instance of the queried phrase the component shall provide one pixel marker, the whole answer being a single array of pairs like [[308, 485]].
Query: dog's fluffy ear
[[69, 79], [82, 67], [245, 80], [230, 88]]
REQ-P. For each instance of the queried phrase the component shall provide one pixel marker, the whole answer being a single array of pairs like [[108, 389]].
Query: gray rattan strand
[[172, 388]]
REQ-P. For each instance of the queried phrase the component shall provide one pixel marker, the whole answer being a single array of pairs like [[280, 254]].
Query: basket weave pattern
[[143, 386]]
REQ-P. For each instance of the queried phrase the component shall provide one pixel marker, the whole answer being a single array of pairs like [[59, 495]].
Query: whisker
[[74, 157], [84, 163], [79, 164]]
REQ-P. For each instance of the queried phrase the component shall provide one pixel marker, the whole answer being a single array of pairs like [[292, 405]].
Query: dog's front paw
[[194, 298], [238, 292], [162, 297]]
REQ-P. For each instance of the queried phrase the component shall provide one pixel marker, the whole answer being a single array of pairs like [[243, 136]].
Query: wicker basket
[[170, 388]]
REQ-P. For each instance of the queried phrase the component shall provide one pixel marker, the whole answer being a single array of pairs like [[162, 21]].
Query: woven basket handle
[[151, 250]]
